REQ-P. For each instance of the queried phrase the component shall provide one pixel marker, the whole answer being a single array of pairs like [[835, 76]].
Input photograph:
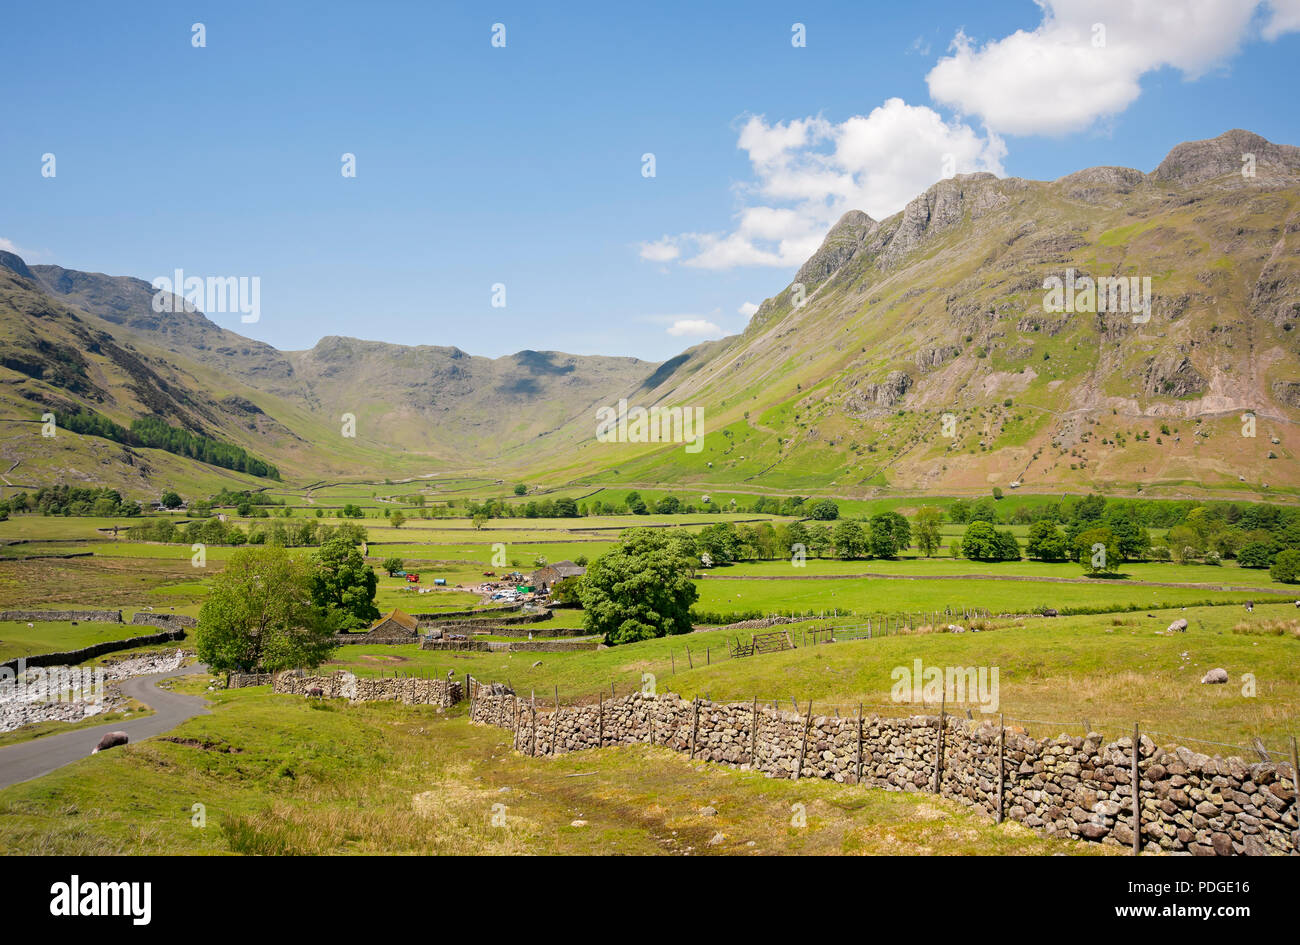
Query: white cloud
[[747, 309], [1086, 58], [1284, 17], [808, 172], [661, 250], [9, 246], [695, 327]]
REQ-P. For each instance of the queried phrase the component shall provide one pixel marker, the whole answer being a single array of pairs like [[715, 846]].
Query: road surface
[[40, 756]]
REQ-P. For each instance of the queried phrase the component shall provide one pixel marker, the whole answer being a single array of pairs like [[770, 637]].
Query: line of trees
[[213, 531], [155, 433], [70, 500]]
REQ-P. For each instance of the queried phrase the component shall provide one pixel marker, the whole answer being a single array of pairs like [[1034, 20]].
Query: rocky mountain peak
[[1194, 161], [843, 240], [14, 263]]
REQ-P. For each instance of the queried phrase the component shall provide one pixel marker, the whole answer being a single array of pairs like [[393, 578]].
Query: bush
[[1286, 567], [825, 510], [1255, 555]]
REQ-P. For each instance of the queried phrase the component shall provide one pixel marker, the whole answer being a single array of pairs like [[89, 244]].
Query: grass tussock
[[1269, 628]]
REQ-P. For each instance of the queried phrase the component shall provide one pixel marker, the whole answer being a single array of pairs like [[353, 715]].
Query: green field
[[339, 778], [285, 776], [18, 639]]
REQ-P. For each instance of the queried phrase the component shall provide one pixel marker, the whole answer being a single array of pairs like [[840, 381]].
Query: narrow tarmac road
[[40, 756]]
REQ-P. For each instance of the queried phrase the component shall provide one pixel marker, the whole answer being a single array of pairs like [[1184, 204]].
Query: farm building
[[545, 578], [396, 624]]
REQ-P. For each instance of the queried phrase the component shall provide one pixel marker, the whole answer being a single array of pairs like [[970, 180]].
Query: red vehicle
[[413, 578]]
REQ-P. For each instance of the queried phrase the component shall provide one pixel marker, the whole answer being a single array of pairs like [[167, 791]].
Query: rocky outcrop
[[1195, 161], [1101, 184], [875, 399], [1287, 392], [842, 242], [939, 209], [1276, 295], [930, 358], [1172, 377]]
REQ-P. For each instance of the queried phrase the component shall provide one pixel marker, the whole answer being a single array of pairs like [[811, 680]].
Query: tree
[[342, 581], [1255, 555], [480, 520], [259, 615], [983, 542], [566, 508], [825, 510], [926, 530], [567, 590], [985, 510], [1286, 567], [397, 519], [720, 542], [171, 500], [639, 589], [393, 565], [520, 488], [1097, 549], [850, 540], [889, 534], [1046, 542], [668, 505], [1184, 543]]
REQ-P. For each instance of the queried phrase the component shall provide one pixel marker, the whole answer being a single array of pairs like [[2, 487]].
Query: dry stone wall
[[244, 680], [84, 616], [345, 685], [169, 621], [1070, 787], [507, 646], [72, 657]]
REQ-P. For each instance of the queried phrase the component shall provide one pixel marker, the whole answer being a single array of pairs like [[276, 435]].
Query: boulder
[[111, 740]]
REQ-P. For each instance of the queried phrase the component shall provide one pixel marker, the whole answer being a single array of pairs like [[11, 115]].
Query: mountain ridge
[[936, 308]]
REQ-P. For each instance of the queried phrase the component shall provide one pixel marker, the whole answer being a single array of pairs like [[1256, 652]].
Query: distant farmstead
[[546, 578]]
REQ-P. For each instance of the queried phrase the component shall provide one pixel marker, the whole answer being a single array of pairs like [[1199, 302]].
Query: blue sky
[[523, 165]]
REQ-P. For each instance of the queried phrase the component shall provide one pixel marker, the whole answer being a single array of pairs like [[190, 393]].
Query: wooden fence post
[[695, 723], [803, 745], [1002, 749], [1136, 787]]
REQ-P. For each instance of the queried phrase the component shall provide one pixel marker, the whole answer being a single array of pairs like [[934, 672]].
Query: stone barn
[[394, 627], [544, 579]]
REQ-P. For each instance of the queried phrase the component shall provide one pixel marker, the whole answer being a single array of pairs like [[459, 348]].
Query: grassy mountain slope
[[939, 309]]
